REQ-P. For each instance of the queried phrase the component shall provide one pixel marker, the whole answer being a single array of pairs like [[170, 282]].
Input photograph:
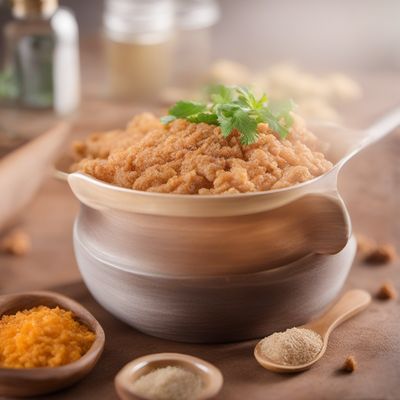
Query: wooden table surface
[[370, 187]]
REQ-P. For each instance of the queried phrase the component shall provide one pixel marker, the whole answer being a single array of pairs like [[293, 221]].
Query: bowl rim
[[89, 358], [194, 197]]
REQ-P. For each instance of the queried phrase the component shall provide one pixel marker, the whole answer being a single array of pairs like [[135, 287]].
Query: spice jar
[[195, 19], [42, 60], [138, 46]]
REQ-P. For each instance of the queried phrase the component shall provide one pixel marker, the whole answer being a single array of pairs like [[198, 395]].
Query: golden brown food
[[42, 337], [350, 365], [188, 158], [17, 243], [365, 245], [374, 253], [381, 254], [387, 292]]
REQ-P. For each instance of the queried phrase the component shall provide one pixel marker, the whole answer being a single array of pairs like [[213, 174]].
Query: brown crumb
[[17, 243], [374, 253], [350, 365], [365, 245], [387, 292], [382, 254]]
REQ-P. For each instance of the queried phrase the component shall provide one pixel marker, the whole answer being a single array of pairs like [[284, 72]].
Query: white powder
[[295, 346], [168, 383]]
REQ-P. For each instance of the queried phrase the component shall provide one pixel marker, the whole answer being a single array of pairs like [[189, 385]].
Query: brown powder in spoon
[[295, 346]]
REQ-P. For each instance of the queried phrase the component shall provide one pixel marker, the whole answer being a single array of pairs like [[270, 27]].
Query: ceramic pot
[[220, 268], [216, 308]]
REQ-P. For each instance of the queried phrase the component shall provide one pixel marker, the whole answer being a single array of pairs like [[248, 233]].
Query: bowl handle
[[327, 222]]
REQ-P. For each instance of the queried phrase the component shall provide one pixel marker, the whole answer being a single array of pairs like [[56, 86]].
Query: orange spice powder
[[42, 337]]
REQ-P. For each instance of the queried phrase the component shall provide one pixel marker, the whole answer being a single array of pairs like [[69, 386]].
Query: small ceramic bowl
[[217, 308], [210, 375], [28, 382]]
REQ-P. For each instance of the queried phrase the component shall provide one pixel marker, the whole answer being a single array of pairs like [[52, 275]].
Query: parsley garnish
[[235, 108]]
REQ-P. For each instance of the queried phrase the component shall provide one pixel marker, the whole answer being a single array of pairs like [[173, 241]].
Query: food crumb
[[374, 253], [17, 243], [350, 365], [365, 245], [382, 254], [387, 292]]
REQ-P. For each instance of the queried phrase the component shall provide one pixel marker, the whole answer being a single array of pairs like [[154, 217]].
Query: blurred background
[[356, 34], [154, 51]]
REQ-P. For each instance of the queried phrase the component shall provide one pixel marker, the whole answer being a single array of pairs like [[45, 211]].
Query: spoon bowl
[[26, 382], [350, 304]]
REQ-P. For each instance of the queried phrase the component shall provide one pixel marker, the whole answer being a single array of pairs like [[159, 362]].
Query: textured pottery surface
[[217, 308], [171, 245]]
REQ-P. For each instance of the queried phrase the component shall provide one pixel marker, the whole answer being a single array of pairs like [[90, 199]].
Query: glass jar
[[139, 47], [195, 19], [42, 57]]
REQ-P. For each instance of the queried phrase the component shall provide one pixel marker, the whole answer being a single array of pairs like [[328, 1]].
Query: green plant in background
[[235, 108], [8, 85]]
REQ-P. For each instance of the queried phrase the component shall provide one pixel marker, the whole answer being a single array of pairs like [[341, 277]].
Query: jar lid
[[146, 20], [196, 14], [33, 8]]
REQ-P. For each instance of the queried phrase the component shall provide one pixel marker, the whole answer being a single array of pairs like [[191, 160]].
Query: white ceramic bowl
[[172, 234], [217, 308]]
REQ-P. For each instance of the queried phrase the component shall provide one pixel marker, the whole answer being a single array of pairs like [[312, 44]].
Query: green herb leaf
[[220, 94], [226, 126], [166, 119], [246, 125], [282, 110], [184, 109], [235, 108], [208, 118]]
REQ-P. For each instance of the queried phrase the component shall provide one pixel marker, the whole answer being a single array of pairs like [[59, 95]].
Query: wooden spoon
[[26, 382], [351, 303], [210, 375]]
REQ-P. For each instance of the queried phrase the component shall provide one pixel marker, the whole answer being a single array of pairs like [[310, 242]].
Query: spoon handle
[[381, 128], [351, 303]]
